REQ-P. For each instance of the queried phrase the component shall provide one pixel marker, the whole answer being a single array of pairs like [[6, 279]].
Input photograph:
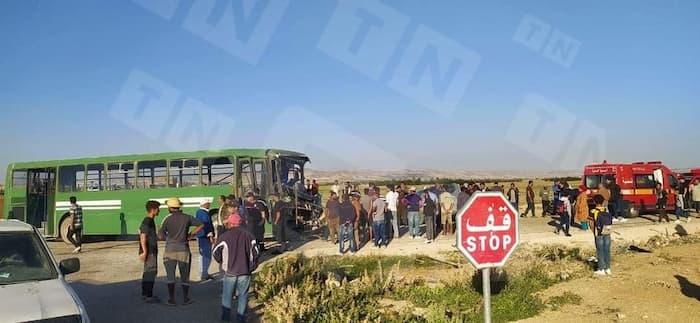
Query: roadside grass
[[358, 289]]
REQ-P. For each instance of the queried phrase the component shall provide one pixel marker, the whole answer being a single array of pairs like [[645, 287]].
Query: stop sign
[[487, 232]]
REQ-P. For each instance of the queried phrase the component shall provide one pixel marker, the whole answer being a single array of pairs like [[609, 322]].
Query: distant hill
[[328, 176]]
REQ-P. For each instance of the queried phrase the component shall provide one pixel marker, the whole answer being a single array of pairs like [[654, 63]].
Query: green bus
[[113, 190]]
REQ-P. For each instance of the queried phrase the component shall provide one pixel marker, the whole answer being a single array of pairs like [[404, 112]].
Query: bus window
[[246, 176], [152, 174], [184, 173], [96, 177], [71, 178], [644, 181], [260, 177], [19, 178], [217, 171], [120, 176]]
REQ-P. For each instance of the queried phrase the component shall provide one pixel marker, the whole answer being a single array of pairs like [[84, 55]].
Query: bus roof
[[242, 152]]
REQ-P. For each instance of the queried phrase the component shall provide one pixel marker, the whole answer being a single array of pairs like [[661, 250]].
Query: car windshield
[[23, 258], [592, 181]]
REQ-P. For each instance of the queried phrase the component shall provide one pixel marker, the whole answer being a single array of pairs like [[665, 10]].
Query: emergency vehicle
[[637, 182]]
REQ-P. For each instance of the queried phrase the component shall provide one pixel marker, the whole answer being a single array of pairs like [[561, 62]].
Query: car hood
[[36, 301]]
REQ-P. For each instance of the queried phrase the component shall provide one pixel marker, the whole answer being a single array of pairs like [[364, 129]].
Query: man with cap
[[175, 230], [205, 238], [237, 252], [257, 213]]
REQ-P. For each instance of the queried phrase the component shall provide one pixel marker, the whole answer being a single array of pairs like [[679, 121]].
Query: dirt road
[[109, 281]]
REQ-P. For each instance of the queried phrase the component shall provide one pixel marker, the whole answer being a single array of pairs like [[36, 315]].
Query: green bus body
[[39, 199]]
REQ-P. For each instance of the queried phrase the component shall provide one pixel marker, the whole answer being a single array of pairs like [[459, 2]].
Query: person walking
[[514, 196], [379, 221], [392, 206], [257, 213], [696, 195], [175, 230], [413, 205], [661, 202], [218, 220], [530, 199], [280, 216], [355, 201], [148, 252], [463, 197], [546, 197], [602, 228], [75, 234], [564, 211], [430, 209], [680, 208], [448, 205], [347, 223], [205, 238], [582, 210], [366, 202], [616, 201], [333, 217], [237, 252], [402, 216]]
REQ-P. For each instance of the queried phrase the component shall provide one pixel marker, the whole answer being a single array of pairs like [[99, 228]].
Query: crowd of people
[[234, 235]]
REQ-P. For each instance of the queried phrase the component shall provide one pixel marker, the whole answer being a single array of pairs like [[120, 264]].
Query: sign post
[[487, 235]]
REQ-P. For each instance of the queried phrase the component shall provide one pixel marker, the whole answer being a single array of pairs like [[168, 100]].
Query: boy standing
[[564, 211], [602, 220], [148, 252]]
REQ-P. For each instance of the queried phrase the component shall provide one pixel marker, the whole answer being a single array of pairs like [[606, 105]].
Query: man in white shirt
[[392, 205], [336, 188]]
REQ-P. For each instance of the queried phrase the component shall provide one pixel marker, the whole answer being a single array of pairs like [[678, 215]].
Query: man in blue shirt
[[205, 238]]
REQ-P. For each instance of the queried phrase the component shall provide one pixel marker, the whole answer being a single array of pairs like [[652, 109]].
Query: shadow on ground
[[688, 289]]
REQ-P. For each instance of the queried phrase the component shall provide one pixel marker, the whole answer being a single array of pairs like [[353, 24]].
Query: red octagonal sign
[[487, 231]]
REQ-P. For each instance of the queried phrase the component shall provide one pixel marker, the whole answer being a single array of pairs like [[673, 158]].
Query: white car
[[32, 284]]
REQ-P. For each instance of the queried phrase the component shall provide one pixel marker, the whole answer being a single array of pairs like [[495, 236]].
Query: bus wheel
[[64, 228]]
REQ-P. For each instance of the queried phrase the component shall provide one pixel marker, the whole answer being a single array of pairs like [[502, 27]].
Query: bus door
[[245, 168], [261, 177], [41, 196], [17, 196]]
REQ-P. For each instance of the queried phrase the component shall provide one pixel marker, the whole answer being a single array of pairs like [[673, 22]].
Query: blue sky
[[635, 78]]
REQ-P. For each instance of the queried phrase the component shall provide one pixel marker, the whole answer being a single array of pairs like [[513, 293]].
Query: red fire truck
[[637, 182]]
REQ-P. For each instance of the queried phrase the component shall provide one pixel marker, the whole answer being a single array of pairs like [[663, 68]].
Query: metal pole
[[486, 274]]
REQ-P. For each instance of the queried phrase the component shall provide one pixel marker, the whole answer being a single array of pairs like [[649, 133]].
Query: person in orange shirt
[[582, 210]]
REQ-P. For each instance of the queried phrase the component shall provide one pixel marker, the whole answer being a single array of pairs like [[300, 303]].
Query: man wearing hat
[[257, 213], [205, 238], [175, 230]]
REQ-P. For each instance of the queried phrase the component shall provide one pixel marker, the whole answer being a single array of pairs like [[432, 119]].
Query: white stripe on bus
[[89, 208], [91, 203]]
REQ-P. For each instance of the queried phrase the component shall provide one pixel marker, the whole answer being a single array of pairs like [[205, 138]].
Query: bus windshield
[[291, 171]]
